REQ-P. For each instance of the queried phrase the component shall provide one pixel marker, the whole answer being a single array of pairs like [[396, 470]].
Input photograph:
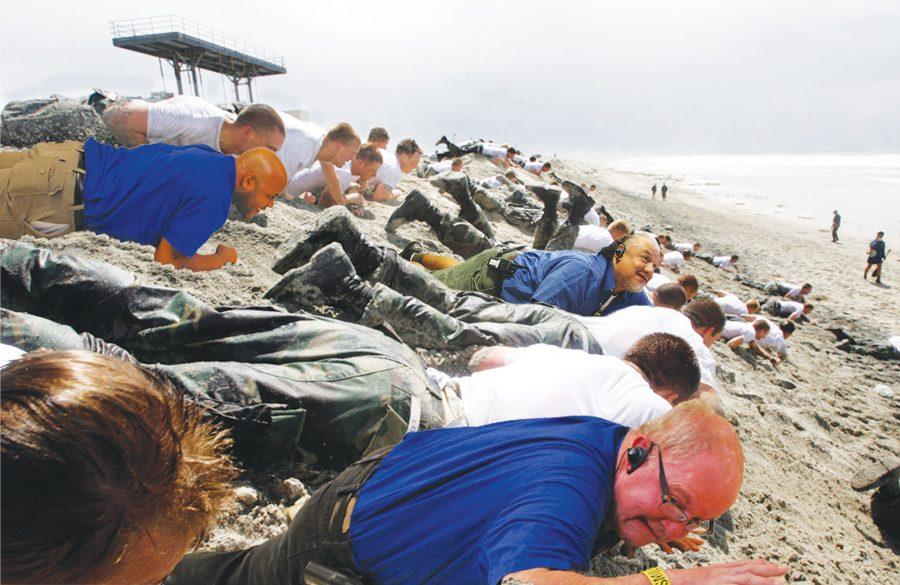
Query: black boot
[[416, 207], [581, 202], [459, 187], [334, 225], [328, 279], [549, 221], [411, 250]]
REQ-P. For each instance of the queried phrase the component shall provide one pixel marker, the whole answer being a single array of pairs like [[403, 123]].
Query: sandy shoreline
[[806, 426]]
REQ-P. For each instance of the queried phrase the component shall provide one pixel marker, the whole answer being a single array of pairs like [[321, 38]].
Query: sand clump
[[806, 425]]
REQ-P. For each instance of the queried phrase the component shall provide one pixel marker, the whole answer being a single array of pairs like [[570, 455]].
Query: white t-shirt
[[312, 179], [546, 381], [492, 183], [684, 247], [673, 259], [592, 217], [722, 261], [794, 292], [592, 238], [732, 305], [389, 172], [302, 141], [184, 120], [738, 329], [493, 150], [774, 340], [9, 353], [617, 332], [790, 309], [442, 166], [657, 281], [534, 167]]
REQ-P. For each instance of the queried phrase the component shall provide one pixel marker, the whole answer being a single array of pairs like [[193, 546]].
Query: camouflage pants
[[26, 123], [343, 389], [475, 319]]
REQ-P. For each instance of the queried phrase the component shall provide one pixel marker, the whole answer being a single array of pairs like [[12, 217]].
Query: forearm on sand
[[166, 254]]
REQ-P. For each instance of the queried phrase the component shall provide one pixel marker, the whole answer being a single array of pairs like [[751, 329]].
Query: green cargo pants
[[473, 275]]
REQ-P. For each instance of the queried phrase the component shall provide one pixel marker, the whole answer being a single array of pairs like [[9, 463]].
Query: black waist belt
[[502, 267]]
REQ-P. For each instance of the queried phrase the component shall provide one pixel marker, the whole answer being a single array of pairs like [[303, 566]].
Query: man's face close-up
[[635, 268], [696, 492]]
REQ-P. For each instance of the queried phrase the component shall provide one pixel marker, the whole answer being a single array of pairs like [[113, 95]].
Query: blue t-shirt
[[474, 504], [180, 193], [877, 253], [573, 281]]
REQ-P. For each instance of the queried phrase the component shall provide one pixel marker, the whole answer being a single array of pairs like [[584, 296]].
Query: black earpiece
[[637, 456], [619, 251]]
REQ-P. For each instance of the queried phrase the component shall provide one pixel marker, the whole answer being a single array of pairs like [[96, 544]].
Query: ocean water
[[864, 188]]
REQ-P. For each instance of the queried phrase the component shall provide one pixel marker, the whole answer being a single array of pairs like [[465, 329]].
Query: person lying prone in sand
[[120, 422], [732, 305], [326, 185], [737, 333], [170, 197]]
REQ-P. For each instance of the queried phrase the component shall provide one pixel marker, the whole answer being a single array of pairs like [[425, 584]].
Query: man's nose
[[673, 529]]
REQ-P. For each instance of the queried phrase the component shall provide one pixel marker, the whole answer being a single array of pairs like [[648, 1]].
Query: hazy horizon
[[696, 77]]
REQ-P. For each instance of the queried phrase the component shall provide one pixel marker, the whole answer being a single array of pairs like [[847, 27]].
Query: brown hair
[[671, 295], [762, 325], [369, 153], [261, 118], [95, 451], [407, 146], [343, 133], [378, 134], [620, 225], [705, 313], [668, 362], [688, 281]]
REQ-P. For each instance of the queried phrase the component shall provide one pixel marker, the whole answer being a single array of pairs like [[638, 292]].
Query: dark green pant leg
[[471, 274]]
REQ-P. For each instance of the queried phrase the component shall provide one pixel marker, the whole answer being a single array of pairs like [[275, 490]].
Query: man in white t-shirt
[[404, 159], [790, 309], [540, 381], [657, 281], [306, 143], [616, 333], [794, 292], [327, 185], [739, 332], [185, 120], [670, 296], [593, 238], [536, 167], [777, 338], [688, 247], [379, 137], [675, 260], [723, 262], [732, 305]]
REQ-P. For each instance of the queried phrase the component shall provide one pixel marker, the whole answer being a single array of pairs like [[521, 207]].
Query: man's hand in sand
[[227, 254]]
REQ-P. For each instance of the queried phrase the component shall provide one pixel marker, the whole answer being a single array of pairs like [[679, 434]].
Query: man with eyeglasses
[[522, 499]]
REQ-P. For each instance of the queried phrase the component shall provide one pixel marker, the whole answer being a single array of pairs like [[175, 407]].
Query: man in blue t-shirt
[[524, 499], [170, 197], [877, 254]]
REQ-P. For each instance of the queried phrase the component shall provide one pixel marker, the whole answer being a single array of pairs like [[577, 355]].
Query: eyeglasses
[[672, 509]]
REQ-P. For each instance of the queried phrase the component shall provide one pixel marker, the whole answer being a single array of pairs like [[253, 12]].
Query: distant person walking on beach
[[835, 224], [653, 191], [663, 191], [876, 257]]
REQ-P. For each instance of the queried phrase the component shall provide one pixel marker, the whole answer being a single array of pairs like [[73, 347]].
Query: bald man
[[170, 197]]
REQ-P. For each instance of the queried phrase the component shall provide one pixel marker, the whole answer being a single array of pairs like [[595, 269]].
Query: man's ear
[[248, 183]]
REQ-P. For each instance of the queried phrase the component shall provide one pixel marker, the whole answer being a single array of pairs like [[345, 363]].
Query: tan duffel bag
[[38, 190]]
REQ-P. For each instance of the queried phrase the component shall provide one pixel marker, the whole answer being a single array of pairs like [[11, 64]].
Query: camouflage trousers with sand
[[280, 381]]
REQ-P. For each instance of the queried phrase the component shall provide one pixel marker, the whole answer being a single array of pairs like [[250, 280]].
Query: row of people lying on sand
[[196, 162], [465, 479]]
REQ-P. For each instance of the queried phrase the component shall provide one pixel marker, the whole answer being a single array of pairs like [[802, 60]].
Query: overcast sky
[[703, 76]]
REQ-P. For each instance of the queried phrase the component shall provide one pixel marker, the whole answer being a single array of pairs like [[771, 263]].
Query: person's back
[[547, 381], [144, 193], [302, 141], [592, 238], [185, 120], [453, 516]]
